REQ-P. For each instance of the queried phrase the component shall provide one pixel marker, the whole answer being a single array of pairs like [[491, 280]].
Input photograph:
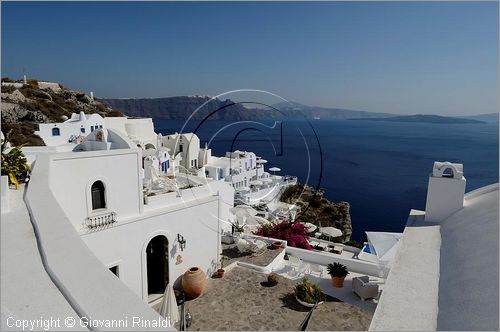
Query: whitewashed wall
[[68, 129], [73, 173], [125, 245]]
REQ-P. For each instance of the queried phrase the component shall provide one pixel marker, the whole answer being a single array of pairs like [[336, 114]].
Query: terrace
[[242, 300]]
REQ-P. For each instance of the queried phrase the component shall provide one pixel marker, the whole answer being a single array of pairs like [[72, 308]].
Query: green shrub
[[272, 279], [8, 89], [291, 192], [22, 133], [308, 292], [14, 163]]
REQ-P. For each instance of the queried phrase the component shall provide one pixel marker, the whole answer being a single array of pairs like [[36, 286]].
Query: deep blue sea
[[380, 168]]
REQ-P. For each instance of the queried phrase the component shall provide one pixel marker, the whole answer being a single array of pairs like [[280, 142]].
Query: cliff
[[424, 118], [316, 209], [26, 105], [181, 107]]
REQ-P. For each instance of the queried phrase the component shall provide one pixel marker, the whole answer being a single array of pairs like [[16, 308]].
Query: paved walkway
[[242, 301]]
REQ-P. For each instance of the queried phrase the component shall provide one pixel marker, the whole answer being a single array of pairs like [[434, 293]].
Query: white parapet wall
[[322, 258], [93, 291], [5, 194]]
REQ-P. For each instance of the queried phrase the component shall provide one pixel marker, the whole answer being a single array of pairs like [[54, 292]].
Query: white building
[[98, 190], [139, 130], [445, 273], [184, 147], [71, 130]]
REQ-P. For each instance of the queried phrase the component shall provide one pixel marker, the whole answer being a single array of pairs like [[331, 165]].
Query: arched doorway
[[157, 266]]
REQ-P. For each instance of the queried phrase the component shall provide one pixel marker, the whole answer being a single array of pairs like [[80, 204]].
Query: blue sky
[[407, 58]]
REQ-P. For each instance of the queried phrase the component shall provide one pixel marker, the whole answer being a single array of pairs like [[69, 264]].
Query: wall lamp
[[182, 242]]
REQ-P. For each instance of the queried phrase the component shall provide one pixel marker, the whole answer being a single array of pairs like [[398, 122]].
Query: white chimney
[[91, 95], [446, 190], [25, 80]]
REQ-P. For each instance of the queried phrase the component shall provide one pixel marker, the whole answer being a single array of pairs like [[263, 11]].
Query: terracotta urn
[[194, 282], [338, 281]]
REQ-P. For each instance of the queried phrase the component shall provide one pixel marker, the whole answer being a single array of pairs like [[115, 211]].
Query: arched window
[[448, 173], [56, 132], [98, 199]]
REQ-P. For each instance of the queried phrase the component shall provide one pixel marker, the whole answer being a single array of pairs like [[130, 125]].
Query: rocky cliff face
[[26, 105], [181, 108], [316, 209]]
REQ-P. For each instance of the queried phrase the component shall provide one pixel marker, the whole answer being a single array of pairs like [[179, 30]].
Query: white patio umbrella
[[310, 226], [384, 245], [331, 231], [261, 161], [275, 169], [256, 183], [168, 307], [243, 209]]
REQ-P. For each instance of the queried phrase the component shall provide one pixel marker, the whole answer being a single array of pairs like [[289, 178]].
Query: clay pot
[[194, 282], [338, 281], [220, 273], [276, 245]]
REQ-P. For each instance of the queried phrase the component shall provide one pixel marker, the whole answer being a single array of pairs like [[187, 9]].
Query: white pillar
[[445, 192], [91, 95]]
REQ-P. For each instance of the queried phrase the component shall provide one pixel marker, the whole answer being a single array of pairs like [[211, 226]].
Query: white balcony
[[100, 220]]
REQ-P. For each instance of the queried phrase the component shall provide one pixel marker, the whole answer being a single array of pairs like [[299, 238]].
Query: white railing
[[100, 220]]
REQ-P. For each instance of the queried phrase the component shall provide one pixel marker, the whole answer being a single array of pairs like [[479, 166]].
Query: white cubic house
[[70, 131]]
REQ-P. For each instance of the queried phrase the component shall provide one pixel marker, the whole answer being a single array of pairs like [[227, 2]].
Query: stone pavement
[[241, 301], [264, 259]]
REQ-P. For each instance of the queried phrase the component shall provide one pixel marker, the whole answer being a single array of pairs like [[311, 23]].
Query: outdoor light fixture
[[182, 242]]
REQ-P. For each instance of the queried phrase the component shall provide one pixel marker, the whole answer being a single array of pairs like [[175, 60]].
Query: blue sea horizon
[[380, 168]]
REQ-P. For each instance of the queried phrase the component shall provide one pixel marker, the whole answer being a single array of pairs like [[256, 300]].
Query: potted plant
[[308, 294], [237, 229], [272, 279], [276, 245], [338, 272], [14, 163], [220, 272]]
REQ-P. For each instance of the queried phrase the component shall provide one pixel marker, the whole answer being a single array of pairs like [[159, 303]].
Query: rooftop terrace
[[241, 300]]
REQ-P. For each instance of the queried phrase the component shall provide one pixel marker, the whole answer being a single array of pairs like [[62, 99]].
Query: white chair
[[296, 265], [363, 288], [316, 270]]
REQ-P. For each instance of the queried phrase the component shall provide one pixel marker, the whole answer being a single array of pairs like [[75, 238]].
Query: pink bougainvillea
[[294, 233]]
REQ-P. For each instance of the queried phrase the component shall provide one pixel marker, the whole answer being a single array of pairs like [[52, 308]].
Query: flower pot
[[338, 281], [194, 282], [276, 245], [220, 273], [305, 304]]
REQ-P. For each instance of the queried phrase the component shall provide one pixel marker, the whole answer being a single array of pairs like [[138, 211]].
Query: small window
[[91, 128], [115, 270], [56, 132], [98, 199], [181, 148], [82, 130]]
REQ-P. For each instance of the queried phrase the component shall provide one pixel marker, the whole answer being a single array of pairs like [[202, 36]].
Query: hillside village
[[27, 103]]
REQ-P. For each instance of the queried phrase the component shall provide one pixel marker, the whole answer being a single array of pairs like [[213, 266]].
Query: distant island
[[423, 118]]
